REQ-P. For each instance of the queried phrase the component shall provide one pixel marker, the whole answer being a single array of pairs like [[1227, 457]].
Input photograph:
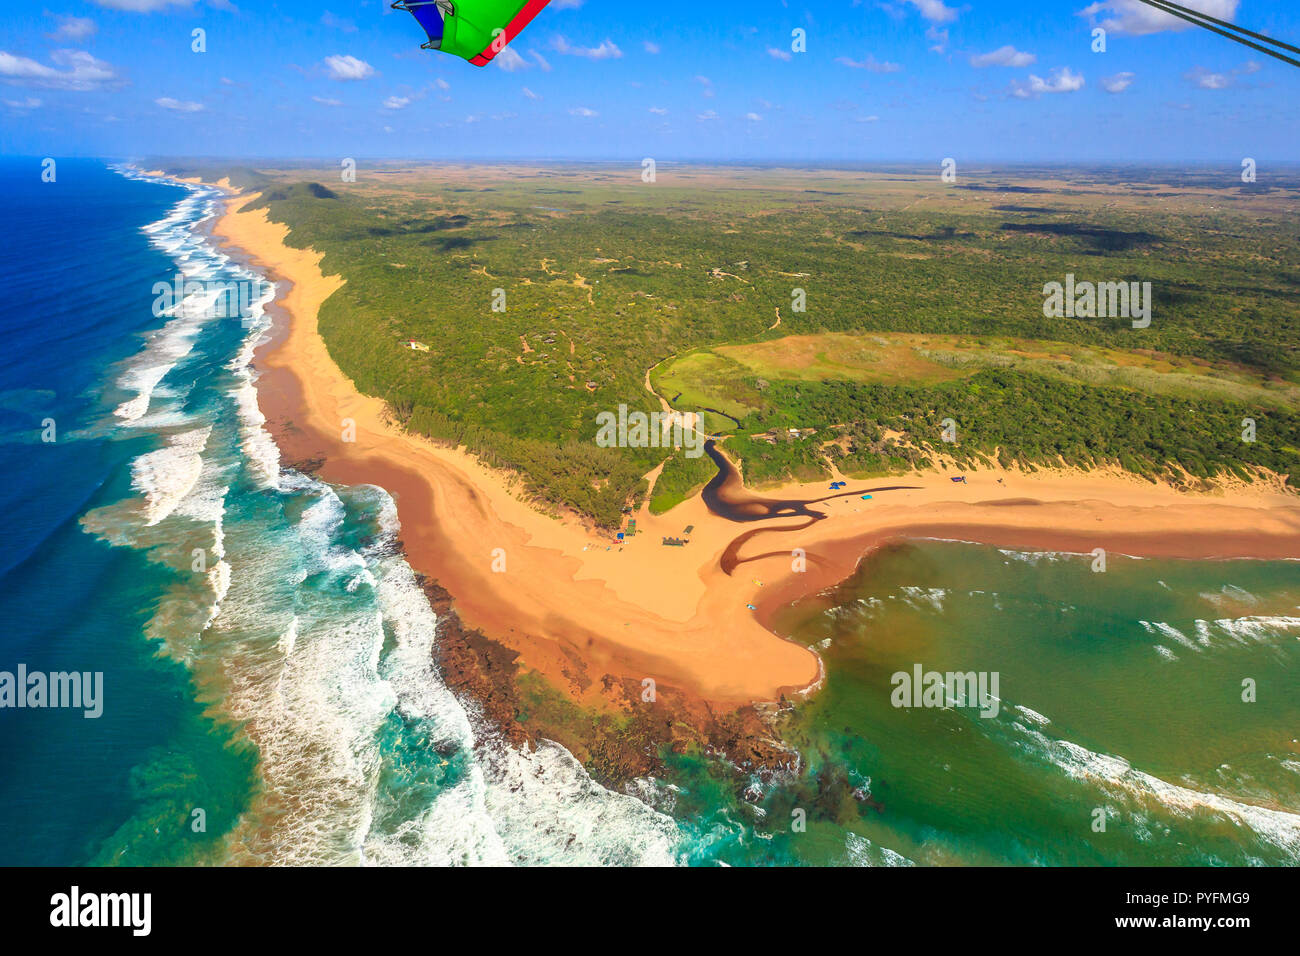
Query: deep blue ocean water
[[77, 275]]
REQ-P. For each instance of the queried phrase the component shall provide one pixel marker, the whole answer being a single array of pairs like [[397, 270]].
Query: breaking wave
[[304, 627]]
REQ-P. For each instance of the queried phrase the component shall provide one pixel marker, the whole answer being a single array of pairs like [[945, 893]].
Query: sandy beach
[[576, 605]]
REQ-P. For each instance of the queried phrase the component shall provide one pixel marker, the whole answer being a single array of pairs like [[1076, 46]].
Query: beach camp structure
[[474, 30]]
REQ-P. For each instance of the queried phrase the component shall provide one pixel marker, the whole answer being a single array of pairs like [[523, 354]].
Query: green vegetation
[[1013, 416], [1016, 400], [605, 277], [681, 478]]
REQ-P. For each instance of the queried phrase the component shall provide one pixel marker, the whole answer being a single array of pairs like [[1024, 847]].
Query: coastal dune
[[577, 606]]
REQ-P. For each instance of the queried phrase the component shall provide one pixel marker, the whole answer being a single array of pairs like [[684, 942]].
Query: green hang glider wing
[[476, 30]]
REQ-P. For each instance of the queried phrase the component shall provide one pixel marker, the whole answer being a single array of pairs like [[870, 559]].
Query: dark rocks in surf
[[601, 720]]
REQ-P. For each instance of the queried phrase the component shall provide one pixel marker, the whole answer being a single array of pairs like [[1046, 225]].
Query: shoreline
[[581, 610]]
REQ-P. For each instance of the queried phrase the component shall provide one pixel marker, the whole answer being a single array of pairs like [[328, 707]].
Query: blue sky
[[881, 80]]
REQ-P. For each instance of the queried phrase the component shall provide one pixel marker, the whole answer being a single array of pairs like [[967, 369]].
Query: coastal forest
[[870, 321]]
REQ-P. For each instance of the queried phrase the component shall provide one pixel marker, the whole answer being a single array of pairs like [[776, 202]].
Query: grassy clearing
[[724, 377]]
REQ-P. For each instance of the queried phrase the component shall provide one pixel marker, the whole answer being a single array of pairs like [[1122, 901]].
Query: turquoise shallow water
[[1121, 698], [266, 650]]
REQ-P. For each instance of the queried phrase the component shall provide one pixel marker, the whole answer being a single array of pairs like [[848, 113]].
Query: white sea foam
[[929, 597], [862, 852], [165, 476], [519, 806], [1256, 628], [142, 381], [165, 347], [1280, 828], [1039, 557], [1227, 632], [1162, 629], [1033, 715], [1229, 595], [321, 709]]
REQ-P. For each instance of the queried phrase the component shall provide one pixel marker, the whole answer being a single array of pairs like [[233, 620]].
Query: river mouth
[[726, 496]]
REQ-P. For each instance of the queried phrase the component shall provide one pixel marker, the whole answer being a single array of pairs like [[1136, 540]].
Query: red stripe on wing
[[512, 30]]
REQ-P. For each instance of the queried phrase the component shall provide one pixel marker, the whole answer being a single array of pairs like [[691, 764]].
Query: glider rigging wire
[[1204, 20]]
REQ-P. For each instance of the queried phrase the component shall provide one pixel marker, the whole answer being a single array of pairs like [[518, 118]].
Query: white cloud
[[1061, 80], [608, 50], [530, 94], [1003, 56], [347, 67], [397, 102], [326, 101], [870, 63], [582, 111], [72, 70], [659, 111], [651, 48], [1117, 83], [510, 60], [778, 54], [179, 106], [1206, 80], [938, 40], [541, 61], [30, 103], [73, 28], [753, 117], [934, 10], [1137, 19], [708, 115]]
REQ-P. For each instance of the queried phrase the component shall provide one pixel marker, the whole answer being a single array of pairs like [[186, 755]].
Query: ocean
[[269, 694], [1144, 714]]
